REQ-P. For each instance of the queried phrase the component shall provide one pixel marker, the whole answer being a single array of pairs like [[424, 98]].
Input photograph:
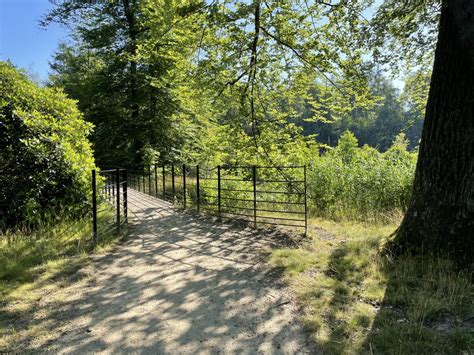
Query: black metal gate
[[263, 195], [109, 201]]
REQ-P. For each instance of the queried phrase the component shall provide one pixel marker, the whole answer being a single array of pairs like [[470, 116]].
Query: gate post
[[164, 187], [198, 196], [94, 207], [172, 182], [125, 196], [107, 187], [219, 190], [156, 182], [254, 176], [117, 182], [149, 181], [305, 206], [184, 186]]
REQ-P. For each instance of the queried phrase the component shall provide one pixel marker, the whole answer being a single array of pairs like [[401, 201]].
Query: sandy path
[[181, 284]]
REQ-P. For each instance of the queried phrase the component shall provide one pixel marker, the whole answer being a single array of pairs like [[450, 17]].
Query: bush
[[45, 156], [349, 182]]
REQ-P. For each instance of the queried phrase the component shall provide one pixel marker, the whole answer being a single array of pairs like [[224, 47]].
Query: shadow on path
[[179, 284]]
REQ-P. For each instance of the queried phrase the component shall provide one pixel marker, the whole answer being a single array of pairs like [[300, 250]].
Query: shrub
[[45, 157], [361, 183]]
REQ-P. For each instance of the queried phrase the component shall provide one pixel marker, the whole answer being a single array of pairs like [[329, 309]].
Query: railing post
[[149, 180], [184, 186], [125, 196], [198, 196], [172, 182], [164, 186], [254, 176], [107, 187], [156, 181], [144, 184], [94, 207], [219, 190], [305, 205], [117, 182]]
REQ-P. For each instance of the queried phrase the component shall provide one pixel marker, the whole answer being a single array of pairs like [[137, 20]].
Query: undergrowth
[[352, 183], [32, 262], [357, 301]]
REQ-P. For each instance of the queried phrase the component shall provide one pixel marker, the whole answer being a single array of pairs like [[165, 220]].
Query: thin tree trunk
[[440, 219], [132, 33], [135, 133]]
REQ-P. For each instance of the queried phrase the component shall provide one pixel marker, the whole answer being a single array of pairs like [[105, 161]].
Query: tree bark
[[135, 130], [440, 219], [132, 33]]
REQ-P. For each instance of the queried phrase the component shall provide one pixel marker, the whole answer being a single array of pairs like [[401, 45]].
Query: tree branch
[[302, 58]]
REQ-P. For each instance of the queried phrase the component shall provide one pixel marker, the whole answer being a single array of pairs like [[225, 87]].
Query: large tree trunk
[[440, 219]]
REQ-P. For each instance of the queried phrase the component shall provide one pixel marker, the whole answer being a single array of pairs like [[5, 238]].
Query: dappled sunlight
[[180, 283], [358, 300]]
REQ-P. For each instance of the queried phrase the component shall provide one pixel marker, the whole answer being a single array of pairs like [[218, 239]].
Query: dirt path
[[180, 284]]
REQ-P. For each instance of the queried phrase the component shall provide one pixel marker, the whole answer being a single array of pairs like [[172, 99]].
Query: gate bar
[[117, 181]]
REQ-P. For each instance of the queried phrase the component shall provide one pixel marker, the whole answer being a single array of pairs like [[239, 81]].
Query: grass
[[33, 265], [356, 300]]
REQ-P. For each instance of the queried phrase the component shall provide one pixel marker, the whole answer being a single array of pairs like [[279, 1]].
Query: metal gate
[[262, 195]]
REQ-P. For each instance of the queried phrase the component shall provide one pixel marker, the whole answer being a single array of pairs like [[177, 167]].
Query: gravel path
[[181, 284]]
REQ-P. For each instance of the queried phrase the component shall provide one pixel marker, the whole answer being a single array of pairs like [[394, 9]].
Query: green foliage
[[45, 156], [256, 61], [361, 183], [159, 78], [119, 70], [415, 97], [376, 126], [404, 34], [224, 81], [233, 82]]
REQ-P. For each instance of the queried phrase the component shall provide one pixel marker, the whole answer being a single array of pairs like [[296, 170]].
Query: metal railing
[[262, 195], [109, 200]]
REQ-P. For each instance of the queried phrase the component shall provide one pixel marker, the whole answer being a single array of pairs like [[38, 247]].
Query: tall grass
[[23, 251], [355, 183]]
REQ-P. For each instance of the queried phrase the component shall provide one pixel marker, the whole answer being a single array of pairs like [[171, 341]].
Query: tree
[[414, 98], [376, 126], [253, 62], [45, 156], [122, 91], [260, 58], [440, 218]]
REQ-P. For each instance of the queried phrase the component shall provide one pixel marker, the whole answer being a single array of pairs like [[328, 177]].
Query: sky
[[27, 45], [23, 41]]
